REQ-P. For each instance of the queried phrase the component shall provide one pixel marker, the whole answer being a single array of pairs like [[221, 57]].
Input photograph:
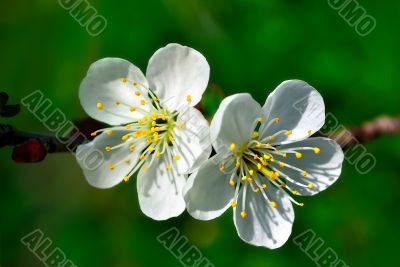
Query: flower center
[[259, 163], [153, 133]]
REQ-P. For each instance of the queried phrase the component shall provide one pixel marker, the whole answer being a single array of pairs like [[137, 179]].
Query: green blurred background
[[251, 45]]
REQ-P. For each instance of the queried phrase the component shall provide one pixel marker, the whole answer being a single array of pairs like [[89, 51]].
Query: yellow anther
[[128, 126], [259, 145], [142, 157], [251, 172], [142, 102], [317, 150], [151, 149], [99, 105], [295, 192], [109, 132], [232, 147], [180, 125], [264, 186], [277, 120], [272, 159], [284, 155], [259, 166], [271, 137], [127, 161], [117, 103], [244, 178], [163, 117], [93, 134], [283, 184], [158, 154], [267, 157], [167, 168], [233, 204], [140, 121], [145, 167], [254, 134], [126, 178], [231, 183], [170, 138], [257, 190], [310, 185], [268, 145], [237, 164], [137, 93], [260, 119], [111, 167], [125, 137], [155, 99], [281, 164], [123, 80], [107, 148], [250, 180], [153, 123], [222, 167], [298, 155], [276, 174], [189, 98], [155, 138], [309, 132], [134, 83], [243, 214], [145, 118], [273, 204], [301, 204], [289, 132], [304, 173], [176, 157], [132, 109], [132, 147]]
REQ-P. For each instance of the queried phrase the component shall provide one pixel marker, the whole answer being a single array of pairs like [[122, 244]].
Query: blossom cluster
[[252, 158]]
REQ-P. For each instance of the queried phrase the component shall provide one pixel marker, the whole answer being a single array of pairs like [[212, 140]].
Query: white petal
[[192, 142], [207, 192], [300, 108], [95, 161], [234, 121], [160, 191], [322, 169], [176, 71], [264, 225], [103, 84]]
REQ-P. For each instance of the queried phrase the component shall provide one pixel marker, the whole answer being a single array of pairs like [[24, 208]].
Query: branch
[[367, 132]]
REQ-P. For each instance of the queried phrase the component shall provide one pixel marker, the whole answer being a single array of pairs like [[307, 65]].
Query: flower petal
[[234, 121], [207, 192], [96, 162], [160, 191], [322, 169], [264, 225], [192, 142], [176, 71], [103, 84], [299, 107]]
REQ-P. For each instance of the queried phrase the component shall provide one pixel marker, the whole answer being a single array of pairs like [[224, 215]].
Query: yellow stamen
[[298, 155], [231, 183], [255, 134], [260, 119], [107, 148], [232, 147], [167, 168], [117, 103], [251, 172], [244, 178], [127, 161], [264, 186], [141, 157], [125, 137], [257, 190], [158, 154], [233, 204], [137, 93], [132, 147], [189, 98], [273, 204], [99, 105], [123, 80], [126, 178], [243, 214], [277, 120], [109, 132], [132, 109], [271, 137], [304, 173], [281, 164], [134, 83], [317, 150], [289, 132], [176, 157], [310, 185], [142, 102], [111, 167], [93, 134], [222, 167], [309, 132], [237, 164], [145, 167]]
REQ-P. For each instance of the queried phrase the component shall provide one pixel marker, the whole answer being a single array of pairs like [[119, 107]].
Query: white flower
[[264, 156], [155, 128]]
